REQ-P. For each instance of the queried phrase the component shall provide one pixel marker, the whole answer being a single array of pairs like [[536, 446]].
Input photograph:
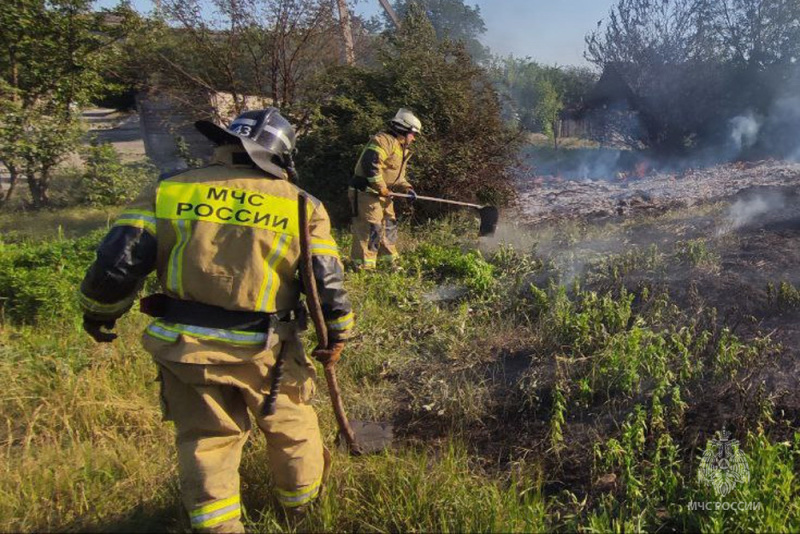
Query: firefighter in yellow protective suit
[[381, 170], [224, 240]]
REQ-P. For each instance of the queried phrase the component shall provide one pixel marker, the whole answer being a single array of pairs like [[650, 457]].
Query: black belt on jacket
[[207, 315]]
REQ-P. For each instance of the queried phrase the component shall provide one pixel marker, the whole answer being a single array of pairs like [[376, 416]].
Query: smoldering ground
[[716, 279], [744, 211]]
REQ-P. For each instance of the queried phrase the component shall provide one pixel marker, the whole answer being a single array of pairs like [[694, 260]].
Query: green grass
[[25, 226], [511, 401]]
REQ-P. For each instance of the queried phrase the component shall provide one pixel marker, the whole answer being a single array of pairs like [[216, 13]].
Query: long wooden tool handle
[[434, 199], [307, 274], [338, 410], [315, 309]]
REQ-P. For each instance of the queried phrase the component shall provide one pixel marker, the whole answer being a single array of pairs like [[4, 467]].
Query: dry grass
[[510, 402], [44, 225]]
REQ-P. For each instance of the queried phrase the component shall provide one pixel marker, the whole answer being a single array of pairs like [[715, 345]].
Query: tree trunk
[[38, 188], [12, 184], [347, 32], [556, 133]]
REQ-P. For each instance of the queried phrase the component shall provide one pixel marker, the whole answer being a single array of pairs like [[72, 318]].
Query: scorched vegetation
[[528, 393]]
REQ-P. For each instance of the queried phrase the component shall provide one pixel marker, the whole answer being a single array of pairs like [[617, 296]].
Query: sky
[[547, 31]]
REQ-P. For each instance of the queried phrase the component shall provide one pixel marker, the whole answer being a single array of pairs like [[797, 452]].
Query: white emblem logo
[[723, 464]]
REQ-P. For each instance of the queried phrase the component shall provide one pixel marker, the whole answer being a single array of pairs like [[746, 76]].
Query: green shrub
[[465, 151], [40, 280], [108, 181], [442, 263]]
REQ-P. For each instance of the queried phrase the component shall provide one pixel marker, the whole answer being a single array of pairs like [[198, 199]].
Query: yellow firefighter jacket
[[382, 162], [224, 236]]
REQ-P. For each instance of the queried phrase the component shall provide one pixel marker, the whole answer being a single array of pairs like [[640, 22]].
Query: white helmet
[[405, 122]]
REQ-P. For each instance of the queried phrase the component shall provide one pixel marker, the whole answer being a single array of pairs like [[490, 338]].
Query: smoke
[[598, 164], [744, 211], [568, 258], [744, 130], [508, 233], [785, 125]]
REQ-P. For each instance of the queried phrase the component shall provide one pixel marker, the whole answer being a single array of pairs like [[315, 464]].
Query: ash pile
[[551, 198]]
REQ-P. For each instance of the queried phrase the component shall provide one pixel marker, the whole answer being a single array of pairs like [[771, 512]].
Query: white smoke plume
[[569, 261], [786, 115], [744, 130], [795, 158], [744, 211], [508, 233]]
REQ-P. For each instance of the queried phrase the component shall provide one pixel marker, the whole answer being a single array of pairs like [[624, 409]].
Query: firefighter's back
[[228, 236]]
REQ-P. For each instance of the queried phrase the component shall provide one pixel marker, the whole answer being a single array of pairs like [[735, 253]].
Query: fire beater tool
[[361, 437], [489, 214]]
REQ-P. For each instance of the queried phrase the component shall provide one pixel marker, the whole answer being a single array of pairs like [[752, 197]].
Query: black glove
[[412, 194], [93, 328]]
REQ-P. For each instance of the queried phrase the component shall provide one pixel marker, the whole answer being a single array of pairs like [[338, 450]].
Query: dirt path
[[121, 129]]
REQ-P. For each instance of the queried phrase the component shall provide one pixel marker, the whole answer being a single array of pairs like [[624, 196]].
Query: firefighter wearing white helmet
[[224, 241], [381, 170]]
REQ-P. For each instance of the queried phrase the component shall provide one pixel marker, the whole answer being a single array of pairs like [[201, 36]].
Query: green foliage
[[464, 152], [445, 263], [732, 353], [548, 108], [454, 20], [591, 321], [557, 418], [697, 253], [411, 491], [497, 394], [532, 88], [786, 297], [39, 281], [51, 62], [107, 181], [34, 138]]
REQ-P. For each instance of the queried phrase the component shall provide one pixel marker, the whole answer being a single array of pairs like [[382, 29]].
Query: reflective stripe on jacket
[[225, 235], [382, 162]]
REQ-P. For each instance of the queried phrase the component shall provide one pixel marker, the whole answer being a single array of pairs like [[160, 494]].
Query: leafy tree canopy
[[465, 150], [52, 58], [451, 19], [692, 65]]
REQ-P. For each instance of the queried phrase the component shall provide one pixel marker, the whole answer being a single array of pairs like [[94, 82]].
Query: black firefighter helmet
[[265, 134]]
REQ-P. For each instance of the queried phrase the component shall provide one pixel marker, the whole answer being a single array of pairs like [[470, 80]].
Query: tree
[[759, 41], [548, 109], [758, 32], [574, 84], [525, 82], [693, 65], [268, 49], [451, 19], [518, 78], [664, 50], [51, 58], [464, 152]]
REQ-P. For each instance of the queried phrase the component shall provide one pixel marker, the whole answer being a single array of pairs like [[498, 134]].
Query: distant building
[[168, 127], [611, 110]]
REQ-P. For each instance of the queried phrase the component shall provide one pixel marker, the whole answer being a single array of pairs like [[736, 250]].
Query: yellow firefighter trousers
[[209, 403], [374, 229]]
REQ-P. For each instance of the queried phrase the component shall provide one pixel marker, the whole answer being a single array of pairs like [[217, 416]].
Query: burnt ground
[[750, 236]]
